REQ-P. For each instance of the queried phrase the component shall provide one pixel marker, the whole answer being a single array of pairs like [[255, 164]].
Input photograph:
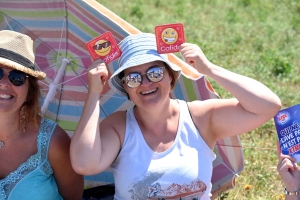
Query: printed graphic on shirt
[[138, 189], [151, 186], [176, 191]]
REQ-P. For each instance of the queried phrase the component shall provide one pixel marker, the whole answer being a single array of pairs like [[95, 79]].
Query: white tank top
[[183, 171]]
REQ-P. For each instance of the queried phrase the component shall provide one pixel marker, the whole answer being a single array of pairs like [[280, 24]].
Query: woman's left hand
[[195, 57], [288, 170]]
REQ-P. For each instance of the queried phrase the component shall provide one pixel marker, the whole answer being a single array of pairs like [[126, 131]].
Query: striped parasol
[[60, 29]]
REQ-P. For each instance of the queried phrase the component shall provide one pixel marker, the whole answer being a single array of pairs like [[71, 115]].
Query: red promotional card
[[169, 37], [104, 47]]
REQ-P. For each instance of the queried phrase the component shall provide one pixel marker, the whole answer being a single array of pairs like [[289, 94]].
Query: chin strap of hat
[[10, 55]]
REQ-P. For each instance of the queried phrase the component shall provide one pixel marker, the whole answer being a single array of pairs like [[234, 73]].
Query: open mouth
[[169, 39], [5, 96], [149, 91]]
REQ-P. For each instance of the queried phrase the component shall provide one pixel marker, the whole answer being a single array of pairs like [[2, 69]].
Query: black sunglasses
[[17, 78], [154, 74], [101, 46]]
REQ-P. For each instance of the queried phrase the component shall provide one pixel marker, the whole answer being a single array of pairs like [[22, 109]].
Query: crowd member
[[34, 151], [290, 174], [162, 148]]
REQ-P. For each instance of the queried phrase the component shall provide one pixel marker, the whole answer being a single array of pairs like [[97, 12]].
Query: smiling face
[[102, 47], [149, 94], [169, 36], [11, 97]]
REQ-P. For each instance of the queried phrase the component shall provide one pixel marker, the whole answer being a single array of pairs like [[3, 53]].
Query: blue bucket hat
[[137, 50]]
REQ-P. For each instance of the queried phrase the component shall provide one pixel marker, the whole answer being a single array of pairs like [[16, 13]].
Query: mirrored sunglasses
[[154, 74], [17, 78]]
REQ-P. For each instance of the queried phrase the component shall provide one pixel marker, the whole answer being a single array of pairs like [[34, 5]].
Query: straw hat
[[137, 50], [16, 51]]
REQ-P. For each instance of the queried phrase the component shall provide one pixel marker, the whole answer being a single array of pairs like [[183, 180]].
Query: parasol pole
[[54, 84]]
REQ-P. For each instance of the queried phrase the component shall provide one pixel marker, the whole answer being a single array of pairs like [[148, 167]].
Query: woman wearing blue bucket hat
[[162, 148]]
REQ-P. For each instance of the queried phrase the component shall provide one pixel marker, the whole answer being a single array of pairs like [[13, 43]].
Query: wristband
[[291, 193]]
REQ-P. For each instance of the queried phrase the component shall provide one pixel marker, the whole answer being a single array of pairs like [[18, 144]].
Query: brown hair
[[173, 74], [32, 103]]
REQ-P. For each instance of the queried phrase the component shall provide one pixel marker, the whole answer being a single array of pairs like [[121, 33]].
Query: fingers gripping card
[[104, 47], [169, 37], [287, 122]]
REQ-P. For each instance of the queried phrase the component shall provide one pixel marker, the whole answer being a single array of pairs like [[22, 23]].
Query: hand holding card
[[287, 122], [104, 47], [169, 37]]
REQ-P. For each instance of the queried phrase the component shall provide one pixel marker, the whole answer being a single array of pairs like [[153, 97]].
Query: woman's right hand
[[97, 76], [288, 170]]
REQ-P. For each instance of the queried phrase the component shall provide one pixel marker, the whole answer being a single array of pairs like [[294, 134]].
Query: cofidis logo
[[283, 117]]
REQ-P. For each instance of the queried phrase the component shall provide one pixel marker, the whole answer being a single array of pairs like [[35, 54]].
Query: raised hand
[[194, 56], [288, 170], [97, 76]]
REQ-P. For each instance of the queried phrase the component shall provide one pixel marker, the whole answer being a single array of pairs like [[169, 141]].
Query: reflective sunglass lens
[[155, 74], [133, 80], [1, 73], [17, 78], [101, 46]]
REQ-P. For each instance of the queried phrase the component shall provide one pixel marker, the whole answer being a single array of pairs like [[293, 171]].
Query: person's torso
[[34, 178], [181, 172]]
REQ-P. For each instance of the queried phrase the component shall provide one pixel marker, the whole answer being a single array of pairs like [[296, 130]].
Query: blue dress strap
[[36, 170]]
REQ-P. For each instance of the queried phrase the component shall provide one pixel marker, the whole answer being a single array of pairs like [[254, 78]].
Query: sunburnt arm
[[85, 147], [86, 143]]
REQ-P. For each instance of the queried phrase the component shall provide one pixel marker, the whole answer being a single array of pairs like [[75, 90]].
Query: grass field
[[256, 38]]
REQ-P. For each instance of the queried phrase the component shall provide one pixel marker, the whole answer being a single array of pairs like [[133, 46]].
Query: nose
[[145, 80], [4, 82]]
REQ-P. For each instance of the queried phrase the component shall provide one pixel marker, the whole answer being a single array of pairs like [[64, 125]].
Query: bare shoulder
[[70, 184], [200, 108], [119, 115], [202, 114], [60, 139], [116, 122]]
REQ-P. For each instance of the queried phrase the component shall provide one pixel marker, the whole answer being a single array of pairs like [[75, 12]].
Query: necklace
[[2, 142]]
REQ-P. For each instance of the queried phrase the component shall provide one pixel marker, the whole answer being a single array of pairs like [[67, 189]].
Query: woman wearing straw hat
[[162, 147], [34, 151]]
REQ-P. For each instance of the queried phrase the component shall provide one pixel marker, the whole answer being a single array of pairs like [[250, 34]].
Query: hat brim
[[116, 84], [8, 63]]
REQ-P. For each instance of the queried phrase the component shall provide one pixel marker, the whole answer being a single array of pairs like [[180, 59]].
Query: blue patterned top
[[34, 178]]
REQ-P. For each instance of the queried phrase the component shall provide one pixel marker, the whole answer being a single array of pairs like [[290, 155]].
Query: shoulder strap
[[190, 113], [46, 130]]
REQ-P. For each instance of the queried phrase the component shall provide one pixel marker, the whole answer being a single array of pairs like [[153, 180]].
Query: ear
[[123, 84], [125, 88], [170, 77]]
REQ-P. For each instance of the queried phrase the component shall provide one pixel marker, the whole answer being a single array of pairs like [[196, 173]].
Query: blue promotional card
[[287, 122]]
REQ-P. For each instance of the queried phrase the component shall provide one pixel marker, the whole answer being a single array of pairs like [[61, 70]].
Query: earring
[[23, 118]]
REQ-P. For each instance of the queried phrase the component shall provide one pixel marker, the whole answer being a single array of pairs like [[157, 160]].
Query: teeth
[[169, 39], [149, 91], [5, 96]]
